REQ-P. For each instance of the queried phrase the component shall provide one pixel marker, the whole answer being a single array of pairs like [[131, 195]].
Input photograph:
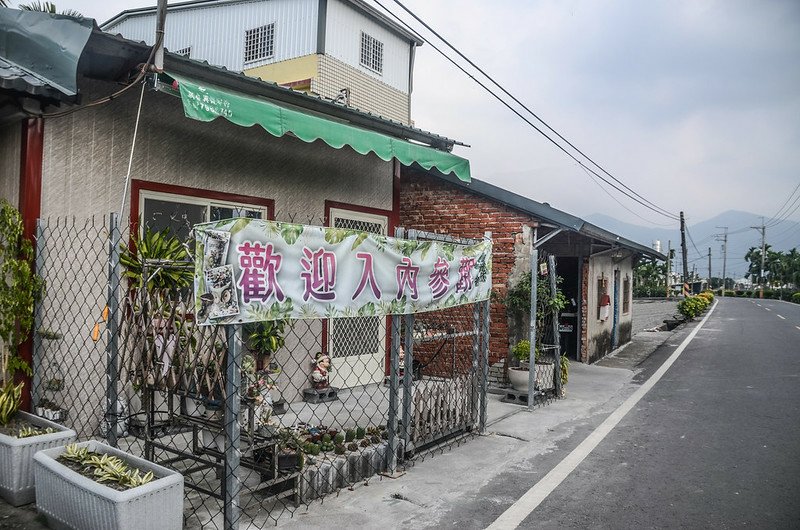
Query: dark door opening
[[568, 269]]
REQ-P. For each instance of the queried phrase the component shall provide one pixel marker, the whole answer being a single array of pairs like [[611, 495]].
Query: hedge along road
[[711, 439]]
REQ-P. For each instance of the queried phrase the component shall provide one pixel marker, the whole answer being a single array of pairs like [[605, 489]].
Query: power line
[[627, 191], [778, 213]]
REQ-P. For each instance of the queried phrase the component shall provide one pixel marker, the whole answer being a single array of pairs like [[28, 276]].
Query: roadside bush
[[732, 293], [692, 306], [708, 295], [796, 298]]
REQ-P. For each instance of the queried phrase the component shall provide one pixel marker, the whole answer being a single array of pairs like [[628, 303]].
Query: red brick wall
[[433, 205]]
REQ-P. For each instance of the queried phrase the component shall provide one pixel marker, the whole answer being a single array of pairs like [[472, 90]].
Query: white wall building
[[332, 48]]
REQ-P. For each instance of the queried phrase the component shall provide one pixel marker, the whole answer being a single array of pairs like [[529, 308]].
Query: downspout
[[30, 207]]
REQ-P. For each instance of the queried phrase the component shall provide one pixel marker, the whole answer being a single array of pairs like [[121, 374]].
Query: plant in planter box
[[95, 486], [290, 454], [21, 434]]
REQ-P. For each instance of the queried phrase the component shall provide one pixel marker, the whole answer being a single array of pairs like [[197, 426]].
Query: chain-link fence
[[260, 418], [541, 343]]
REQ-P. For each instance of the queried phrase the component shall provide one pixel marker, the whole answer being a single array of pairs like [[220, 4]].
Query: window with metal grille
[[371, 53], [259, 43], [186, 52], [626, 295]]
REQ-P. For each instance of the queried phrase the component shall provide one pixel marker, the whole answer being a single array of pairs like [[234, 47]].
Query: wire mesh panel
[[70, 342], [260, 418]]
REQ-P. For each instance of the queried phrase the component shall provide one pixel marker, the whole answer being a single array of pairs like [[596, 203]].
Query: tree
[[649, 278], [47, 7]]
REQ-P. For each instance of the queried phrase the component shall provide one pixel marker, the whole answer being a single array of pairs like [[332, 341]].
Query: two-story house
[[338, 49]]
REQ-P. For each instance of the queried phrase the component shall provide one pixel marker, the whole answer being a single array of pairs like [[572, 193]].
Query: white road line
[[768, 309], [798, 327], [517, 512], [759, 305], [781, 317]]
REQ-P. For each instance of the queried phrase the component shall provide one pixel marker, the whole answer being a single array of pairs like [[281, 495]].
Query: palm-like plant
[[46, 7]]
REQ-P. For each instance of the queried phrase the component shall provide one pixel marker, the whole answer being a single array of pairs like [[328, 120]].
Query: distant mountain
[[783, 236]]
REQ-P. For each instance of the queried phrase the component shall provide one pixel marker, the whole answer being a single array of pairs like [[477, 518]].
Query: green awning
[[206, 103]]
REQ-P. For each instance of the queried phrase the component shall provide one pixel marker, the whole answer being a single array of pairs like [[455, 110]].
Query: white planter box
[[16, 458], [543, 377], [70, 500]]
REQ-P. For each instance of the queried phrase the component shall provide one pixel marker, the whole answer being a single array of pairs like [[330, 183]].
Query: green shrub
[[692, 306], [796, 298]]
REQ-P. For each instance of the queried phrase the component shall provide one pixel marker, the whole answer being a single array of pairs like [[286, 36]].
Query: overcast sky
[[693, 104]]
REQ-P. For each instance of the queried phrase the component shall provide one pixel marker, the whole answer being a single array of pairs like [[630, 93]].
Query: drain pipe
[[161, 20]]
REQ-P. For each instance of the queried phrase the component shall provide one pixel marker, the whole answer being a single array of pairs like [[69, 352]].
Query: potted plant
[[91, 485], [21, 435], [290, 454]]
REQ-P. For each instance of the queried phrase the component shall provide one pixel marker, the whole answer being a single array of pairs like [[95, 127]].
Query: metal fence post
[[36, 364], [112, 372], [476, 364], [551, 266], [485, 360], [408, 374], [233, 377], [394, 390], [532, 358]]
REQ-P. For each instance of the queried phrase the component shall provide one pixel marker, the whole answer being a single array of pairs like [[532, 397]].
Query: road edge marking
[[531, 499]]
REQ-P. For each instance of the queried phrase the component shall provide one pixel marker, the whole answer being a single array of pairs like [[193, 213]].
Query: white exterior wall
[[598, 332], [366, 93], [343, 41], [10, 151], [84, 167], [216, 32]]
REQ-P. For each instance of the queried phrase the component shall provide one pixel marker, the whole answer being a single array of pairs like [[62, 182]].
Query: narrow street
[[715, 443]]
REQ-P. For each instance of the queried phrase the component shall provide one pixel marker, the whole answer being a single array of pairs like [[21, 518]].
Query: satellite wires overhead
[[557, 139]]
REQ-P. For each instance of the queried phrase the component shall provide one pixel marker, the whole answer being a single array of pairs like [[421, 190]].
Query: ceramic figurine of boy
[[319, 377]]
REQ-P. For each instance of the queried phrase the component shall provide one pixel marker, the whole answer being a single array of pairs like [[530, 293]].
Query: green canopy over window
[[206, 103]]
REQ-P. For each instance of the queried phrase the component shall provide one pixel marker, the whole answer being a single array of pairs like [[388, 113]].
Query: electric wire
[[789, 198], [620, 202], [526, 120], [139, 78], [521, 104]]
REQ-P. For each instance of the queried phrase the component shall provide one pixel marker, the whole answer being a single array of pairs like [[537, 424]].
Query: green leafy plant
[[151, 249], [360, 432], [265, 338], [564, 370], [20, 288], [522, 351], [27, 432], [105, 467], [349, 435], [10, 398], [518, 301]]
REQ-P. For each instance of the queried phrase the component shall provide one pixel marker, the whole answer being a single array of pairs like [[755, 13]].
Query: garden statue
[[322, 365]]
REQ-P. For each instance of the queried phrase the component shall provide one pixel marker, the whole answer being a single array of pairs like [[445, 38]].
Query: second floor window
[[259, 43], [371, 53]]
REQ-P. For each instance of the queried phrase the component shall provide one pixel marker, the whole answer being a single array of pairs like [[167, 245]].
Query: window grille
[[186, 52], [371, 53], [259, 43], [626, 295]]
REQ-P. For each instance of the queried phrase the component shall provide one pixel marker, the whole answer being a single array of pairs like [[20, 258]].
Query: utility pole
[[669, 266], [683, 254], [709, 267], [763, 230], [724, 238]]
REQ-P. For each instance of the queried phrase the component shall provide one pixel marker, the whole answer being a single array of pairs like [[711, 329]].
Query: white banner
[[249, 270]]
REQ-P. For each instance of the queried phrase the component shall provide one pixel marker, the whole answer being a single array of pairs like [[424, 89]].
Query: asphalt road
[[715, 443]]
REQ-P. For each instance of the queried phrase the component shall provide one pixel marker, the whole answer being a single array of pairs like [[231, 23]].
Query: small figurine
[[319, 377]]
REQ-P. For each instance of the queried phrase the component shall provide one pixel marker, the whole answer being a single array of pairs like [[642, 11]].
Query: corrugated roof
[[550, 215], [17, 79], [357, 4]]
